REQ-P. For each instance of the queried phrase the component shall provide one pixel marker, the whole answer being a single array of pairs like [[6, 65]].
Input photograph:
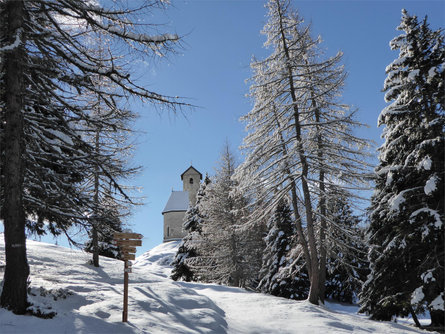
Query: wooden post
[[127, 243], [125, 311]]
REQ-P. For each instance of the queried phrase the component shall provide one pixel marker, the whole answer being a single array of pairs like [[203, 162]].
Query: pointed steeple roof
[[191, 168]]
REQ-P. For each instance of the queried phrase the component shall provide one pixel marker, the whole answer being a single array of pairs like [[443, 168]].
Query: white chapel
[[179, 202]]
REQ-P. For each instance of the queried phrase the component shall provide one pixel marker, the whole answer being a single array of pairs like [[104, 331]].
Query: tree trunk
[[298, 221], [322, 202], [315, 268], [314, 265], [14, 294], [235, 274], [323, 252], [95, 243], [437, 318], [414, 315], [95, 240]]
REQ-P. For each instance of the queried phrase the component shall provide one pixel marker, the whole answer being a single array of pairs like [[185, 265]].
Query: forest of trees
[[289, 219], [283, 220]]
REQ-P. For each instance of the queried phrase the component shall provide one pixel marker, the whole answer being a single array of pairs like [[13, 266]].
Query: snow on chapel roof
[[178, 201]]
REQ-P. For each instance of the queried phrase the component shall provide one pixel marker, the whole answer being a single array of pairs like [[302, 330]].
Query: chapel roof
[[178, 201], [192, 168]]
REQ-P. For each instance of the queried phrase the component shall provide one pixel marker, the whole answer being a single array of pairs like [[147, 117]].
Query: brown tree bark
[[298, 221], [322, 204], [314, 267], [14, 294], [95, 239], [414, 315]]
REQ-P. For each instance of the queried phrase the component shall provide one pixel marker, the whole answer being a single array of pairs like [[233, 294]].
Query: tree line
[[282, 221]]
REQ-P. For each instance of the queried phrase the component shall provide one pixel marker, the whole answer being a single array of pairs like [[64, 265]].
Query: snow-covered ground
[[89, 300]]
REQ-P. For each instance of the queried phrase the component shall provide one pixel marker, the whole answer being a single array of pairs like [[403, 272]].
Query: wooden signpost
[[127, 243]]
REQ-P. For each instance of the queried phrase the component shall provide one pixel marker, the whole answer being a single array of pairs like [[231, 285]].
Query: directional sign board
[[126, 235], [127, 243], [127, 249]]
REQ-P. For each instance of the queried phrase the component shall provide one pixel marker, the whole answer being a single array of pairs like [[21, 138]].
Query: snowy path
[[157, 304]]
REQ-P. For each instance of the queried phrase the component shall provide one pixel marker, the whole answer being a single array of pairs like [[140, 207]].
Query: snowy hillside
[[89, 300]]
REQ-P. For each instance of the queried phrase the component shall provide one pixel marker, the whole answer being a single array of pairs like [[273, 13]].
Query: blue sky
[[210, 69]]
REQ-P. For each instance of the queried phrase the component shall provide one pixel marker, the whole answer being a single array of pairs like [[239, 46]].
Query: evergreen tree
[[188, 249], [300, 134], [46, 71], [277, 276], [252, 245], [221, 253], [347, 266], [406, 231]]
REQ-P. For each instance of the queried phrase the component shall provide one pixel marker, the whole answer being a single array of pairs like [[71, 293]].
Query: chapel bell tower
[[190, 182]]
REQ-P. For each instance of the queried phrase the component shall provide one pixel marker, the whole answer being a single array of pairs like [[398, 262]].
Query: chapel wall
[[173, 225]]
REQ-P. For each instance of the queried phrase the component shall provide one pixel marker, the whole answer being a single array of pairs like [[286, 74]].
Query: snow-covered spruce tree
[[45, 70], [188, 249], [276, 278], [299, 134], [221, 255], [406, 231], [347, 266], [251, 245]]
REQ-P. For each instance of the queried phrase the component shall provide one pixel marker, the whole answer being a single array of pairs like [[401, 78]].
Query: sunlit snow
[[89, 300], [438, 303], [417, 295], [426, 163], [431, 185], [396, 201]]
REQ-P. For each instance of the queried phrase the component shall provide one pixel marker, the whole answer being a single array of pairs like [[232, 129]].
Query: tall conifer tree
[[188, 250], [347, 265], [406, 232], [300, 137], [277, 274], [46, 70], [221, 257]]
